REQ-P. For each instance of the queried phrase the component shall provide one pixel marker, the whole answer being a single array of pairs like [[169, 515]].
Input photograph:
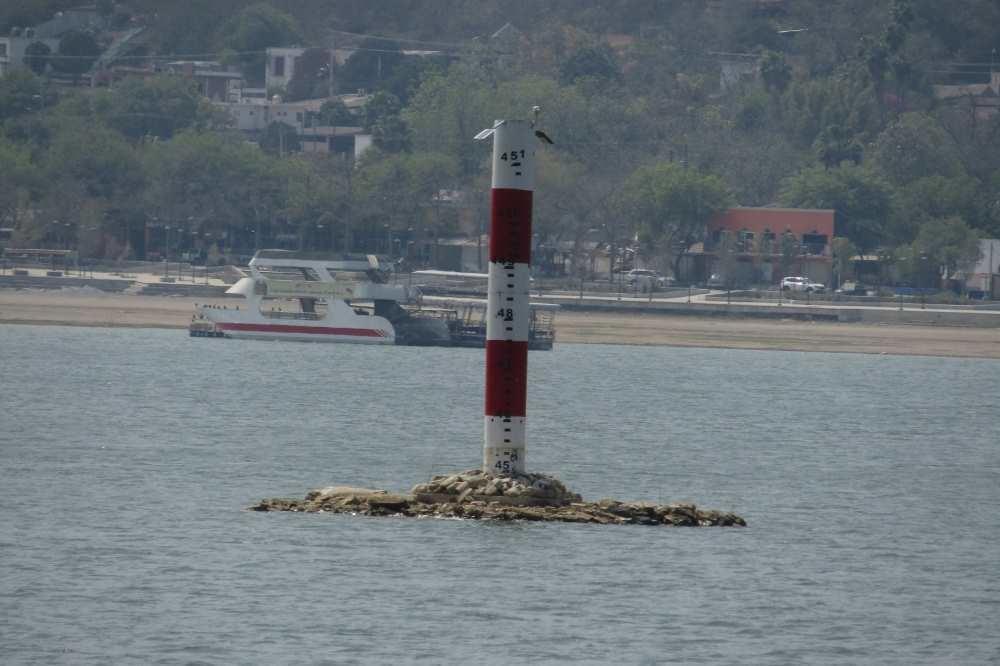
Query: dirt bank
[[89, 308]]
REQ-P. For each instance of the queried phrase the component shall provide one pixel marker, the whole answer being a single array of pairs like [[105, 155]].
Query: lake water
[[871, 485]]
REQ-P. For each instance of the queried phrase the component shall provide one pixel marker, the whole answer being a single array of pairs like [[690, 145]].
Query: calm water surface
[[127, 457]]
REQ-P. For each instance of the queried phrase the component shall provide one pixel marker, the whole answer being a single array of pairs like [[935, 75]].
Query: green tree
[[916, 146], [373, 63], [937, 197], [947, 243], [844, 100], [96, 157], [597, 62], [335, 113], [834, 146], [311, 78], [403, 191], [280, 139], [671, 205], [861, 198], [22, 92], [77, 53], [160, 107], [774, 71], [253, 30], [447, 111], [844, 252], [20, 183], [381, 106], [36, 56]]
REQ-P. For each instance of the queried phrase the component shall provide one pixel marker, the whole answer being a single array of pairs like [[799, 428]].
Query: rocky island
[[478, 495]]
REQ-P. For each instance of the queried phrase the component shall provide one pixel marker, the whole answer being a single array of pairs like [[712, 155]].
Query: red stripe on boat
[[506, 377], [510, 225], [312, 330]]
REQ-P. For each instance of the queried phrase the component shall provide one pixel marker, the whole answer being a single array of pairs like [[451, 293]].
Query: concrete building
[[280, 66], [254, 115], [14, 46], [744, 246], [984, 98], [984, 277], [215, 82]]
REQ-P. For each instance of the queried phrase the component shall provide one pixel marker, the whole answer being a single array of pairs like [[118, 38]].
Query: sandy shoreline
[[76, 308]]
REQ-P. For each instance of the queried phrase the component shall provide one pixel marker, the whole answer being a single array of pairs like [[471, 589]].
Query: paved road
[[761, 303]]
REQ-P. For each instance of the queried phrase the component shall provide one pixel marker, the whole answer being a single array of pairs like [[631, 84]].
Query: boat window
[[289, 273]]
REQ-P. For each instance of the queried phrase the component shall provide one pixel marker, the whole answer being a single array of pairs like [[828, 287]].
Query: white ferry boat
[[298, 296]]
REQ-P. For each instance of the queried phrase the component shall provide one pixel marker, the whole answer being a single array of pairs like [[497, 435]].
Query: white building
[[254, 115], [280, 67], [13, 47], [986, 273]]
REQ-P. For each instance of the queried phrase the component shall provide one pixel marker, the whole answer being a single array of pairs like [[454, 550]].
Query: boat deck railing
[[278, 314]]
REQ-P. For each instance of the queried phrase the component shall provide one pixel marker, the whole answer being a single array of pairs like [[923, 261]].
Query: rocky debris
[[477, 485], [481, 496]]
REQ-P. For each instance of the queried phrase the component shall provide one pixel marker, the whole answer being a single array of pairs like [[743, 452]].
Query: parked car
[[853, 289], [646, 280], [802, 284]]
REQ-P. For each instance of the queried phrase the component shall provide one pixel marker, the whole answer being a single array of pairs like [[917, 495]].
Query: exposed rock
[[481, 496]]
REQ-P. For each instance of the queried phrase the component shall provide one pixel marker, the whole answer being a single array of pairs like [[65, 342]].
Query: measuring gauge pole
[[508, 314]]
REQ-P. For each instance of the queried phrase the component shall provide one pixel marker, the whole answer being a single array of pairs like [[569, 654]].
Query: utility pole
[[333, 59]]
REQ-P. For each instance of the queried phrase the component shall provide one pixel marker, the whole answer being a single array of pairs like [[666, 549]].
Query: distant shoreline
[[68, 308]]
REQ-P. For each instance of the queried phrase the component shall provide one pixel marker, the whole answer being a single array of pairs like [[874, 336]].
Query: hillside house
[[14, 46], [983, 98]]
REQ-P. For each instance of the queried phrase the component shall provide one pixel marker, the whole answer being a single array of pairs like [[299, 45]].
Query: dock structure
[[508, 313]]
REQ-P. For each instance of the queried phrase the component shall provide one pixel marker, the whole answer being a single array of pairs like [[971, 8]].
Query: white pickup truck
[[802, 284]]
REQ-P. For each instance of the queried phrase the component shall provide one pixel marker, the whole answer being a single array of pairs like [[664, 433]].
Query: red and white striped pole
[[508, 316]]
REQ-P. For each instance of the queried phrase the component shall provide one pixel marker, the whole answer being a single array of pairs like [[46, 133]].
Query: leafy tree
[[596, 62], [843, 252], [774, 71], [937, 197], [392, 187], [391, 134], [370, 65], [159, 106], [407, 74], [36, 56], [447, 111], [916, 146], [844, 100], [214, 183], [311, 78], [280, 139], [20, 181], [834, 146], [77, 53], [335, 113], [861, 198], [96, 157], [751, 112], [671, 205], [22, 92], [381, 105], [947, 243], [253, 30]]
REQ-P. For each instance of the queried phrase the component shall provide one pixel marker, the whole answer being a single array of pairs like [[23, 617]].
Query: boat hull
[[305, 332]]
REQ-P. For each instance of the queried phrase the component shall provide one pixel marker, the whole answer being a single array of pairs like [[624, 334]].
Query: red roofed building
[[746, 246]]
